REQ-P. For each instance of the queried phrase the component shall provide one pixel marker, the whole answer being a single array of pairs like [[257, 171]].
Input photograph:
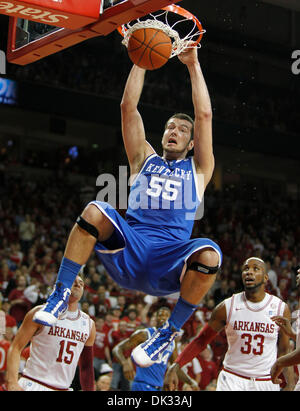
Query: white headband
[[254, 258]]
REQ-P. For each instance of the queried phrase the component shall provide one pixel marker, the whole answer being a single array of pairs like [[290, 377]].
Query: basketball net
[[191, 30]]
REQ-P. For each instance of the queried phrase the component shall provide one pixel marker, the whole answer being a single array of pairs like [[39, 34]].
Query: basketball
[[149, 48]]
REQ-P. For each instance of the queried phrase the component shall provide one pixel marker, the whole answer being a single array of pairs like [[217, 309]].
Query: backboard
[[35, 33]]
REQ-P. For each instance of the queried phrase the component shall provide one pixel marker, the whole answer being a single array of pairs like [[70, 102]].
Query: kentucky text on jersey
[[166, 171], [171, 186], [67, 333], [254, 326]]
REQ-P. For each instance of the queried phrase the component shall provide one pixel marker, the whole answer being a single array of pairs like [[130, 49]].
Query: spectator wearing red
[[109, 324], [132, 320], [206, 309], [19, 303], [5, 276], [121, 302], [101, 347], [9, 319], [285, 252], [210, 372], [193, 368], [119, 382], [37, 272], [102, 303]]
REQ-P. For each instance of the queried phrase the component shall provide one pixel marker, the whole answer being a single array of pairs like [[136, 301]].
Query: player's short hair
[[81, 275], [165, 308], [183, 116]]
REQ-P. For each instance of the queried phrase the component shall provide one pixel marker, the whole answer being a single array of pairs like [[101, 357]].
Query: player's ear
[[266, 278], [191, 145]]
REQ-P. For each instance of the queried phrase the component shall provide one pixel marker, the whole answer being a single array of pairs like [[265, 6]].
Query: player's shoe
[[55, 307], [150, 352]]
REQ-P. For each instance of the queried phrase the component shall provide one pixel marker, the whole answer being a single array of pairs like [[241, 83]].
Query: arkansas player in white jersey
[[292, 358], [254, 340], [54, 351]]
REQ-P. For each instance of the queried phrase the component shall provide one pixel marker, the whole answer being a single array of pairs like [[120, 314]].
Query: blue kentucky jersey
[[154, 375], [164, 198]]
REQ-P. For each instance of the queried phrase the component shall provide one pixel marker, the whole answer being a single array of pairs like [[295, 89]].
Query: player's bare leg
[[195, 285], [93, 226], [75, 250]]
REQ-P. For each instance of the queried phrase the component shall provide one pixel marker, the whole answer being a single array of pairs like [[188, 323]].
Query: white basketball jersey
[[251, 335], [55, 351], [298, 337]]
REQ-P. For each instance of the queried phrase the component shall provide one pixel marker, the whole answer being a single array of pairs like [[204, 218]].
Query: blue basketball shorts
[[135, 260], [143, 386]]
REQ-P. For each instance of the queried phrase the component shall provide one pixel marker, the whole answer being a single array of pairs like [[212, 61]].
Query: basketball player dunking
[[254, 340], [151, 251], [54, 351]]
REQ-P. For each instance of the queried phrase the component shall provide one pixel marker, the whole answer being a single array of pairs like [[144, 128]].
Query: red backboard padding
[[70, 14], [106, 23]]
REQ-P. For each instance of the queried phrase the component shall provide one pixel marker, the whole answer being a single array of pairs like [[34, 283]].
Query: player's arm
[[136, 146], [22, 338], [203, 147], [181, 374], [288, 360], [135, 339], [86, 368], [282, 360], [285, 326], [206, 335]]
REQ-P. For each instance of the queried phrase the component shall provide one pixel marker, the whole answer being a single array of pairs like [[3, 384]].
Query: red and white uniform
[[297, 387], [252, 343], [4, 346], [55, 352]]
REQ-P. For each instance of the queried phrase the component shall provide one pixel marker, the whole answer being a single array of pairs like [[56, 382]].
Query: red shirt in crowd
[[209, 372], [19, 310], [101, 341], [115, 337]]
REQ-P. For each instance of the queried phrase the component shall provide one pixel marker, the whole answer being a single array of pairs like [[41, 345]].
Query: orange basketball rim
[[160, 20]]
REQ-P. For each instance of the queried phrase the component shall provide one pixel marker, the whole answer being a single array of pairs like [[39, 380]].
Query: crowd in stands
[[239, 100], [35, 220]]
